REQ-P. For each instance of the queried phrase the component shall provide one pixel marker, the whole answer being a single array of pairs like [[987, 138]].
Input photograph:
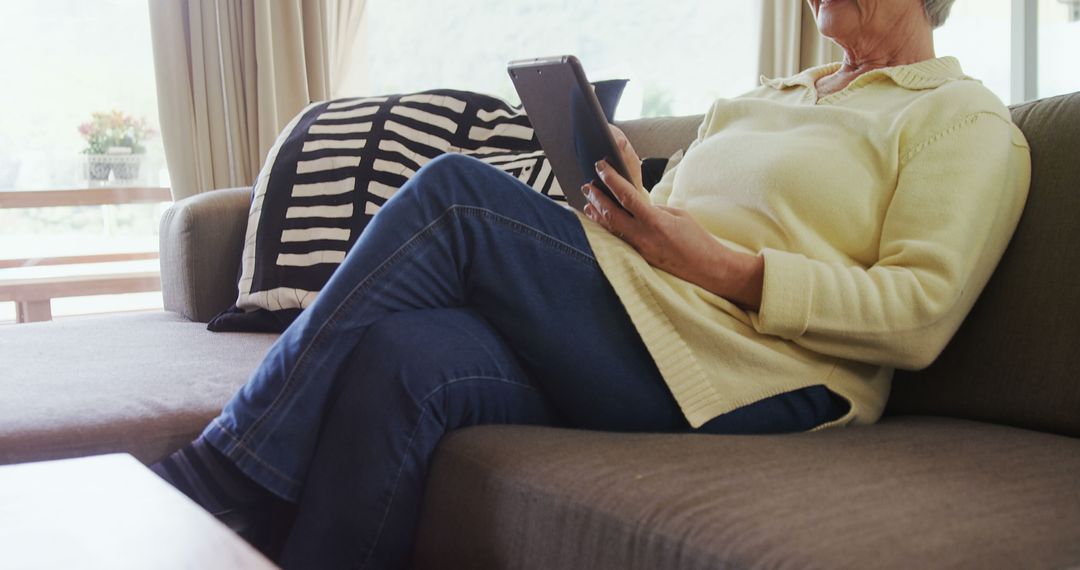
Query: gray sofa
[[975, 465]]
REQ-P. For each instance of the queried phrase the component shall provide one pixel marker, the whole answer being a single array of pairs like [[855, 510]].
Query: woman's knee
[[454, 179], [448, 179], [454, 163]]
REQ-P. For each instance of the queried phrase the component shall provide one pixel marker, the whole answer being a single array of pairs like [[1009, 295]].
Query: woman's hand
[[670, 239], [629, 157]]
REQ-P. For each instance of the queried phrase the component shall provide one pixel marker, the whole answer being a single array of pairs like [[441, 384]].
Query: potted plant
[[114, 143]]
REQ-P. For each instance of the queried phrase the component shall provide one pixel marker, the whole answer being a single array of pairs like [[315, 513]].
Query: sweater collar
[[926, 74]]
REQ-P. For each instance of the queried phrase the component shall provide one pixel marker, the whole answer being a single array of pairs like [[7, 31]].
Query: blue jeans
[[469, 299]]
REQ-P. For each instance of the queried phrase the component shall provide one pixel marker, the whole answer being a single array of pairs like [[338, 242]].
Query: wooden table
[[109, 511], [76, 276], [33, 288]]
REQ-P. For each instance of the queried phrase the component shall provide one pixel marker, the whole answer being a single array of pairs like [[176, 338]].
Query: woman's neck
[[857, 62], [902, 45]]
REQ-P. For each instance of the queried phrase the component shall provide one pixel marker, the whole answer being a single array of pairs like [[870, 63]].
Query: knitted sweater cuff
[[786, 296]]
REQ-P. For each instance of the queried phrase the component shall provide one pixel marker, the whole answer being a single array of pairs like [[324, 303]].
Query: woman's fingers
[[629, 156], [625, 192], [607, 213]]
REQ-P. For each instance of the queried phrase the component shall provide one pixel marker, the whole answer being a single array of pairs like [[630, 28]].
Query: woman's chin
[[836, 26], [836, 15]]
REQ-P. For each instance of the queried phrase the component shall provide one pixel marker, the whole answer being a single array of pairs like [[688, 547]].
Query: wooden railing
[[75, 259], [76, 275]]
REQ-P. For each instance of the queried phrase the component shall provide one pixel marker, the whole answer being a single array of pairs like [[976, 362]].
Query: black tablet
[[568, 121]]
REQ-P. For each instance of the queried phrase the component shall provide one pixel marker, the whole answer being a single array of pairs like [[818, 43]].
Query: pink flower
[[114, 128]]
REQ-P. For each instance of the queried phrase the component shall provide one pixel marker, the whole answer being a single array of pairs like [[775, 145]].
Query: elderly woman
[[821, 230]]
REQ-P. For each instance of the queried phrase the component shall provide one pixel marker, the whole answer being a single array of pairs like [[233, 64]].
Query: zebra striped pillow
[[338, 161]]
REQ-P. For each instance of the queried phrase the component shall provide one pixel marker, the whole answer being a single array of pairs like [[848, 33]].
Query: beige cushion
[[906, 493], [661, 136], [143, 384]]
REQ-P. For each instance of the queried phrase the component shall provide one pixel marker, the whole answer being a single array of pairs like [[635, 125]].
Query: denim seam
[[523, 228], [238, 444], [412, 438]]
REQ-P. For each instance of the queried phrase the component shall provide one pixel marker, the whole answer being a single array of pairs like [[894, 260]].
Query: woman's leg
[[416, 376], [460, 233]]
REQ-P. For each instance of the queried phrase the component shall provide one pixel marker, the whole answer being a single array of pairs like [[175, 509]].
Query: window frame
[[1024, 51]]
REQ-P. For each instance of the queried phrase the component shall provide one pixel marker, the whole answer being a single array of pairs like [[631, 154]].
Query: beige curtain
[[790, 41], [348, 57], [230, 75]]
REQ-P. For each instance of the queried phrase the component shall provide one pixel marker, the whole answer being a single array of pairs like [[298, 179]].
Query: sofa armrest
[[202, 240]]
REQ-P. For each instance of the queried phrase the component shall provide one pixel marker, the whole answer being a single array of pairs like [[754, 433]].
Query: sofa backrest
[[1016, 358], [661, 137]]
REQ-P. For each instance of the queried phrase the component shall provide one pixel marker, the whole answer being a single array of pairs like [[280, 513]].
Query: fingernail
[[586, 191], [600, 165], [590, 212]]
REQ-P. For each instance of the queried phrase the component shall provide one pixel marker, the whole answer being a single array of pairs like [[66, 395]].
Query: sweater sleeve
[[957, 201]]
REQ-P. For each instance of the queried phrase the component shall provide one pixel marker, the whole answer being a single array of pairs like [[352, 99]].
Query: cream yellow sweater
[[880, 210]]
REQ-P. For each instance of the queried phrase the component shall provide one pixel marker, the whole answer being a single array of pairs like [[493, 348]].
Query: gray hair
[[937, 11]]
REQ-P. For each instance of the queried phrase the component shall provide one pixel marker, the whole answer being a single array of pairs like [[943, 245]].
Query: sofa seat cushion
[[909, 492], [137, 383]]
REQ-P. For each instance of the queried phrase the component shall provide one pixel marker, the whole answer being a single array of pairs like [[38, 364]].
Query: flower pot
[[127, 168], [98, 167]]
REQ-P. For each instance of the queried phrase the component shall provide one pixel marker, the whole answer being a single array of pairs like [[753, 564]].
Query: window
[[64, 60], [982, 34], [1059, 47], [977, 33], [679, 56]]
